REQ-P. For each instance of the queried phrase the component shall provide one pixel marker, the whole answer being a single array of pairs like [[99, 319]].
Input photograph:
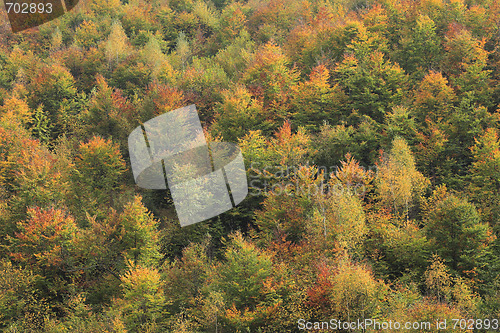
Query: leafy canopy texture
[[370, 134]]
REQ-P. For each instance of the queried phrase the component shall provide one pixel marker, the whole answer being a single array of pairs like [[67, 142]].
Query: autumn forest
[[370, 134]]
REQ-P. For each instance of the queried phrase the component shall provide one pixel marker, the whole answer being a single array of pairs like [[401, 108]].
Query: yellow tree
[[143, 298], [30, 174], [153, 56], [344, 219], [44, 239], [237, 114], [15, 109], [18, 297], [270, 77], [353, 177], [288, 147], [398, 181], [99, 168], [339, 221], [117, 45], [87, 34], [437, 277], [433, 98], [347, 290]]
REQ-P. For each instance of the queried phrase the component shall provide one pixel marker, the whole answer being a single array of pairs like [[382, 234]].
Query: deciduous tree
[[398, 181]]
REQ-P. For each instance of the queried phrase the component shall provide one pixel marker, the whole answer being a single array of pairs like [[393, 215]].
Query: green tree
[[241, 277], [288, 206], [333, 142], [453, 226], [315, 101], [402, 249], [106, 245], [242, 281], [421, 48], [139, 239], [485, 175], [400, 122], [205, 80], [372, 83], [185, 277], [466, 60], [131, 75], [41, 125]]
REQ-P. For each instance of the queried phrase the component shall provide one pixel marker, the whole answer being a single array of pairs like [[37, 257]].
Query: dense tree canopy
[[370, 131]]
